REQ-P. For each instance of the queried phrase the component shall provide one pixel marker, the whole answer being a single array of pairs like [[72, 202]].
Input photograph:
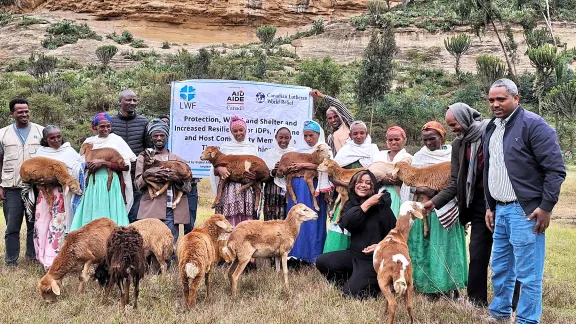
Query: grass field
[[262, 298]]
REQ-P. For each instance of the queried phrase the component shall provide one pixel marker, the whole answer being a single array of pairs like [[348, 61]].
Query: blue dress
[[310, 241]]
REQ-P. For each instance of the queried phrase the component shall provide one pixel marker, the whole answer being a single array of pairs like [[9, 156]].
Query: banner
[[200, 115]]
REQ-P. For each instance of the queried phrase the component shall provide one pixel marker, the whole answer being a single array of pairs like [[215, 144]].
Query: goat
[[265, 239], [392, 261], [158, 240], [197, 255], [37, 168], [105, 153], [321, 153], [180, 168], [83, 248], [125, 262], [344, 175], [237, 165], [436, 177]]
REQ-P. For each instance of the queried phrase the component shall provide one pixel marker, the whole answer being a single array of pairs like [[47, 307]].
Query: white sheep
[[158, 240]]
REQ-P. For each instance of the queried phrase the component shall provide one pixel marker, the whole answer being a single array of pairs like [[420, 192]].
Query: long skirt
[[396, 201], [98, 202], [49, 227], [236, 207], [439, 261], [310, 241], [337, 239], [274, 202]]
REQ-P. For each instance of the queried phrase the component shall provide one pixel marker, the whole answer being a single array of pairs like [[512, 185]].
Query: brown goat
[[37, 168], [265, 239], [180, 168], [158, 240], [344, 175], [237, 165], [82, 248], [106, 153], [197, 256], [435, 177], [382, 169], [392, 261], [321, 153]]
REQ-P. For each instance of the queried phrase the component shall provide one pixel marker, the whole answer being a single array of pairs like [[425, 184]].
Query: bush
[[65, 32], [360, 22], [428, 55], [47, 109], [41, 65], [317, 26], [125, 38], [106, 53], [27, 21], [489, 68], [266, 34], [138, 43], [166, 45], [17, 65]]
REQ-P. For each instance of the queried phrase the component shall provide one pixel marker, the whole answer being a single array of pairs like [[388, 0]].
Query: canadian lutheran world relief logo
[[187, 93], [260, 97]]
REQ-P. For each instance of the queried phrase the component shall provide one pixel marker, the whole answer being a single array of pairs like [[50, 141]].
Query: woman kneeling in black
[[368, 218]]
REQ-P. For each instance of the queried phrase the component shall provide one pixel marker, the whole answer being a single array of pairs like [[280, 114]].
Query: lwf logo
[[187, 93]]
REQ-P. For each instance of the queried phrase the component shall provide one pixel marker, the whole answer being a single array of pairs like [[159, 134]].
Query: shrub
[[266, 34], [41, 65], [489, 68], [5, 18], [48, 109], [360, 22], [66, 32], [317, 26], [17, 65], [138, 43], [428, 55], [166, 45], [457, 46], [106, 53], [27, 21]]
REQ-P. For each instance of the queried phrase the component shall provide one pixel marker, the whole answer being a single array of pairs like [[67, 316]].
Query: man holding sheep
[[17, 142], [523, 173]]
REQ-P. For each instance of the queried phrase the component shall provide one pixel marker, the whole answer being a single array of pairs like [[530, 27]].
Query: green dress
[[396, 201], [439, 261], [98, 202], [338, 239]]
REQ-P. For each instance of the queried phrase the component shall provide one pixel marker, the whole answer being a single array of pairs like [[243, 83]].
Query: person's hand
[[316, 94], [2, 194], [45, 181], [370, 249], [250, 175], [542, 220], [429, 205], [295, 167], [223, 172], [489, 220], [95, 164], [374, 200], [428, 192]]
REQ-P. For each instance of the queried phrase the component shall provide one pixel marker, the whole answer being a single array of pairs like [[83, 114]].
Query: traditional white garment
[[324, 183], [423, 158], [73, 161], [383, 156], [273, 156], [352, 152], [116, 142], [234, 148]]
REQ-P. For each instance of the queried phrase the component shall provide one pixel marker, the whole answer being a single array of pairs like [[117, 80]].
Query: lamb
[[392, 262], [158, 240], [237, 165], [37, 168], [180, 168], [265, 239], [125, 262], [321, 153], [382, 169], [105, 153], [344, 175], [197, 255], [436, 177], [82, 248]]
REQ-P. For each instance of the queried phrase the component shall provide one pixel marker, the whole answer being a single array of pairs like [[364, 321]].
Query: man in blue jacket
[[523, 173]]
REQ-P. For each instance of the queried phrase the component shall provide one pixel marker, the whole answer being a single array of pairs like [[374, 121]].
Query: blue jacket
[[533, 159]]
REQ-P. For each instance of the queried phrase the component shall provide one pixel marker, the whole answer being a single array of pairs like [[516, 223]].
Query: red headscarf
[[398, 129], [235, 120], [434, 125]]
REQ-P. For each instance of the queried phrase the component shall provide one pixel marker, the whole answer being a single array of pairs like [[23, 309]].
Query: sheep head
[[323, 150], [326, 165], [304, 213], [85, 147], [398, 167], [413, 209], [209, 154], [148, 156], [216, 225], [74, 186], [49, 288]]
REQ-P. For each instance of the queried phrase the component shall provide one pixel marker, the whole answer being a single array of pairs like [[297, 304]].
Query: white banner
[[200, 113]]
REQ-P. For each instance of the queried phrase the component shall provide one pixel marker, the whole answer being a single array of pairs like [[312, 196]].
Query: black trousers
[[13, 208], [480, 249], [354, 276]]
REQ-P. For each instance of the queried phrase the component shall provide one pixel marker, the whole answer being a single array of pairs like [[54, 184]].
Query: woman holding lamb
[[235, 207], [275, 188], [358, 152], [53, 222], [395, 140], [439, 260], [98, 201]]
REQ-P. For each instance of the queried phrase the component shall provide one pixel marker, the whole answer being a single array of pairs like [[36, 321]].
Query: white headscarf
[[304, 147], [352, 152], [116, 142], [273, 155], [234, 148], [383, 156]]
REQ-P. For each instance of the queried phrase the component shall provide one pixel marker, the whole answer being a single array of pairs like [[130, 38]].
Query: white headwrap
[[383, 156], [352, 152], [272, 156]]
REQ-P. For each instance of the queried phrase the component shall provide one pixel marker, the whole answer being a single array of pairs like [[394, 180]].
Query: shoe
[[497, 320]]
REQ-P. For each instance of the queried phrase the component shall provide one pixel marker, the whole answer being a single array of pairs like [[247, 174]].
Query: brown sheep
[[392, 261], [197, 256], [82, 248], [435, 177], [344, 175], [180, 168], [265, 239], [105, 153], [125, 262], [158, 240], [321, 153], [237, 165], [37, 168]]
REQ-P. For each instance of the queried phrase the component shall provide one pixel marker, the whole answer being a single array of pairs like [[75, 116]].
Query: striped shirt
[[498, 180]]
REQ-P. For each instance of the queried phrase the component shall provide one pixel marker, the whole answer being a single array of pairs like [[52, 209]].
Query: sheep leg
[[336, 202], [151, 192], [126, 293], [219, 192], [408, 300], [425, 221], [257, 194], [391, 301], [136, 291], [277, 262], [208, 282], [233, 267], [290, 189], [236, 275], [84, 276], [163, 189], [244, 187], [285, 269], [343, 200], [185, 286], [179, 194], [109, 183], [310, 183], [193, 289], [162, 263], [107, 289]]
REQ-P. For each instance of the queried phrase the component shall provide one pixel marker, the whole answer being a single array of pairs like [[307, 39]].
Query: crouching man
[[161, 206]]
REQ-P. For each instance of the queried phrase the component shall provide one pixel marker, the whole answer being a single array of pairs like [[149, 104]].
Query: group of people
[[505, 180]]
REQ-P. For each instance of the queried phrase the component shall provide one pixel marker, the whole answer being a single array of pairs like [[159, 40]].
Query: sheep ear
[[221, 224], [417, 214], [66, 190], [55, 288]]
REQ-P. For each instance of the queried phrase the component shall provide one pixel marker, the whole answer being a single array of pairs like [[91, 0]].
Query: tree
[[266, 34], [41, 66], [376, 69], [457, 46], [544, 59], [561, 100], [105, 54], [489, 69]]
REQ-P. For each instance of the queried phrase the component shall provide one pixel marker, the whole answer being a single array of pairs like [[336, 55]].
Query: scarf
[[447, 215], [234, 148], [116, 142], [383, 156], [271, 157], [324, 183], [352, 152], [305, 148]]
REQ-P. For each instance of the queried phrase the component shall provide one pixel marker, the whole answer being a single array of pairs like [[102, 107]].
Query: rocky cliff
[[211, 12]]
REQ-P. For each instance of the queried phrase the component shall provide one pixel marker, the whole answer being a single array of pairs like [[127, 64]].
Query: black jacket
[[133, 131]]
